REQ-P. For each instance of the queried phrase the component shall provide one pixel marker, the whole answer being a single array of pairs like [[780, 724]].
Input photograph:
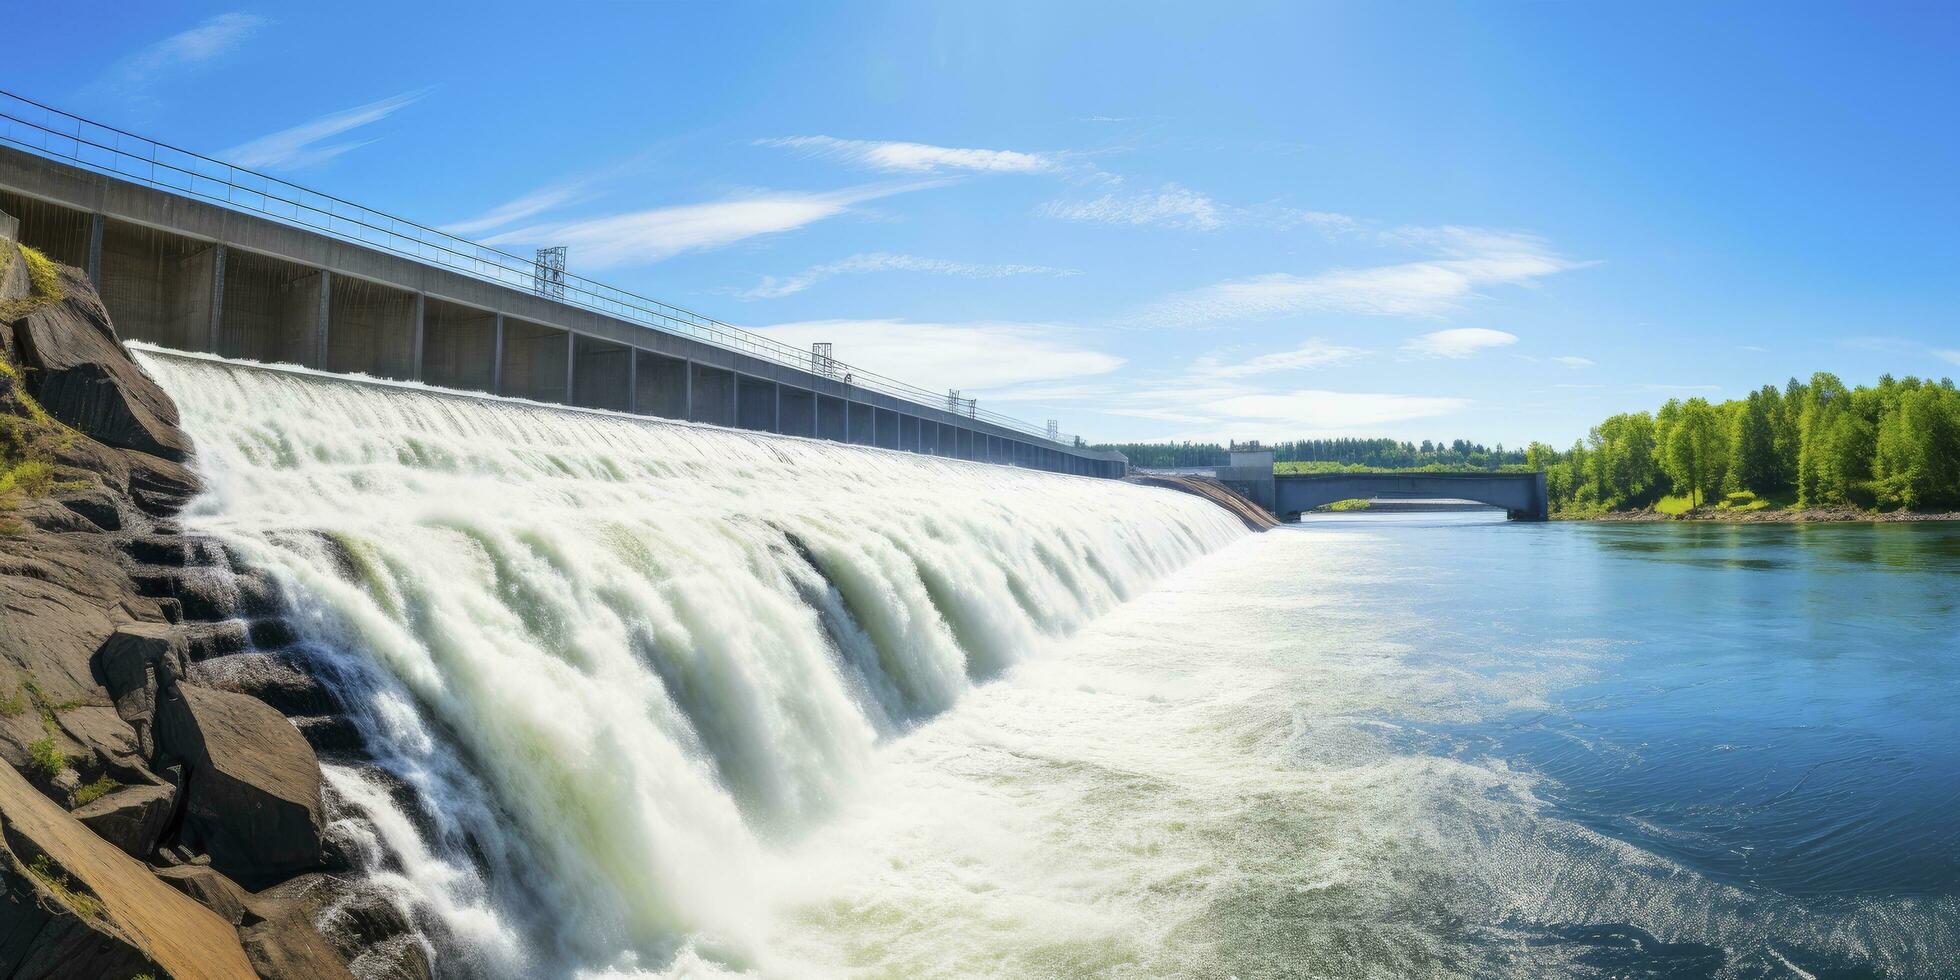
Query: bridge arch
[[1522, 495]]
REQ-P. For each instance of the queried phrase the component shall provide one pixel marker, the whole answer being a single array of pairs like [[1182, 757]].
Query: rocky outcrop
[[253, 796], [76, 906], [139, 808], [84, 378]]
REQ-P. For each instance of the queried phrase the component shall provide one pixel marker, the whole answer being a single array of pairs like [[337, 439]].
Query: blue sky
[[1484, 221]]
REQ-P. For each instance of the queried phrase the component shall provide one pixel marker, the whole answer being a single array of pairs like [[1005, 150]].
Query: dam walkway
[[194, 254]]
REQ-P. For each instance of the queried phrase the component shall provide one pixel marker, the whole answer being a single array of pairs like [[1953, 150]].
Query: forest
[[1816, 444], [1895, 445]]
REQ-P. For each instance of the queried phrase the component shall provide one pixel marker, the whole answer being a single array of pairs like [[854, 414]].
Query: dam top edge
[[149, 349]]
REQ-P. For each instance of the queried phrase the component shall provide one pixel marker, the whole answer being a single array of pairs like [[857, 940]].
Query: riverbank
[[1805, 515]]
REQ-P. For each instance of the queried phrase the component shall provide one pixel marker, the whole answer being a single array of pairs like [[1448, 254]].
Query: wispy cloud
[[972, 356], [1458, 342], [1171, 205], [307, 144], [1214, 409], [773, 287], [1947, 355], [181, 51], [517, 209], [902, 157], [1573, 362], [1467, 260], [1175, 206], [641, 237], [1311, 354]]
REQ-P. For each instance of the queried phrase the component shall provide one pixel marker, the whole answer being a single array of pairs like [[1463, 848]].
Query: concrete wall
[[602, 374], [660, 386], [715, 396], [459, 346], [191, 274], [271, 310], [536, 361]]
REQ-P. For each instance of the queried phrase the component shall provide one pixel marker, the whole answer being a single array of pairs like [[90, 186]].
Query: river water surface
[[1438, 745]]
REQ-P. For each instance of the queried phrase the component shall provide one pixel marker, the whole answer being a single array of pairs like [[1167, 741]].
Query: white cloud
[[1468, 260], [973, 356], [905, 157], [1171, 205], [187, 49], [517, 209], [304, 145], [1573, 362], [1201, 408], [1948, 355], [773, 287], [1458, 342], [1313, 353], [655, 234], [1176, 206]]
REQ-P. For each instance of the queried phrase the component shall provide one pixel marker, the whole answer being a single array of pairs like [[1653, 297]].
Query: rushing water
[[696, 703]]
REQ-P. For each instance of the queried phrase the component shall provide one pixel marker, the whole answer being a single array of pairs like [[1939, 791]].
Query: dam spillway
[[617, 659]]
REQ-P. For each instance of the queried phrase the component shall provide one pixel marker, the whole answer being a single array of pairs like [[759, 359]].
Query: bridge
[[1521, 495], [194, 254]]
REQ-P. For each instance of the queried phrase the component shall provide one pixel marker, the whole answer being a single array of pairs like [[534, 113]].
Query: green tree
[[1695, 454], [1752, 445]]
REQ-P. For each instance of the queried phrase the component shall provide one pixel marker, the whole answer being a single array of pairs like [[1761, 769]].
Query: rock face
[[84, 377], [253, 793], [78, 907], [114, 758]]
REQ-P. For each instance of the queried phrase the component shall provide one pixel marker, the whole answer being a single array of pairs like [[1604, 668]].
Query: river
[[1442, 745], [685, 702]]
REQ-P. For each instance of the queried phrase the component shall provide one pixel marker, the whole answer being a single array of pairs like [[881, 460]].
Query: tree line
[[1816, 444], [1369, 453]]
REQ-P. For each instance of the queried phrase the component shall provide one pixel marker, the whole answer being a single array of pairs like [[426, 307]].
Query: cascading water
[[619, 660]]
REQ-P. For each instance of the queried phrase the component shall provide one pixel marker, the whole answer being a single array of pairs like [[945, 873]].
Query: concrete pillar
[[96, 225], [735, 416], [687, 404], [421, 335], [326, 315], [633, 381], [497, 360], [217, 294], [571, 367], [776, 420]]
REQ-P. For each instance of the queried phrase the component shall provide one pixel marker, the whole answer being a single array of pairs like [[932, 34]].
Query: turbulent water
[[627, 664], [693, 703]]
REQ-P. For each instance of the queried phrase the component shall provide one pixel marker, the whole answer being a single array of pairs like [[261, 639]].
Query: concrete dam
[[194, 254], [577, 667]]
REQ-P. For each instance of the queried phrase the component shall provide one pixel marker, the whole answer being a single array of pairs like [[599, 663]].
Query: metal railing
[[49, 132]]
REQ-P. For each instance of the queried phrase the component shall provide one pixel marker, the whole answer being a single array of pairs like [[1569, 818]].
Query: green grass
[[1353, 503], [83, 905], [29, 437], [13, 705], [1674, 505], [95, 791]]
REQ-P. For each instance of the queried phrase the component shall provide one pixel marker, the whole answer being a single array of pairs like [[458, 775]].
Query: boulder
[[212, 890], [136, 663], [81, 374], [132, 818], [76, 906], [253, 784]]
